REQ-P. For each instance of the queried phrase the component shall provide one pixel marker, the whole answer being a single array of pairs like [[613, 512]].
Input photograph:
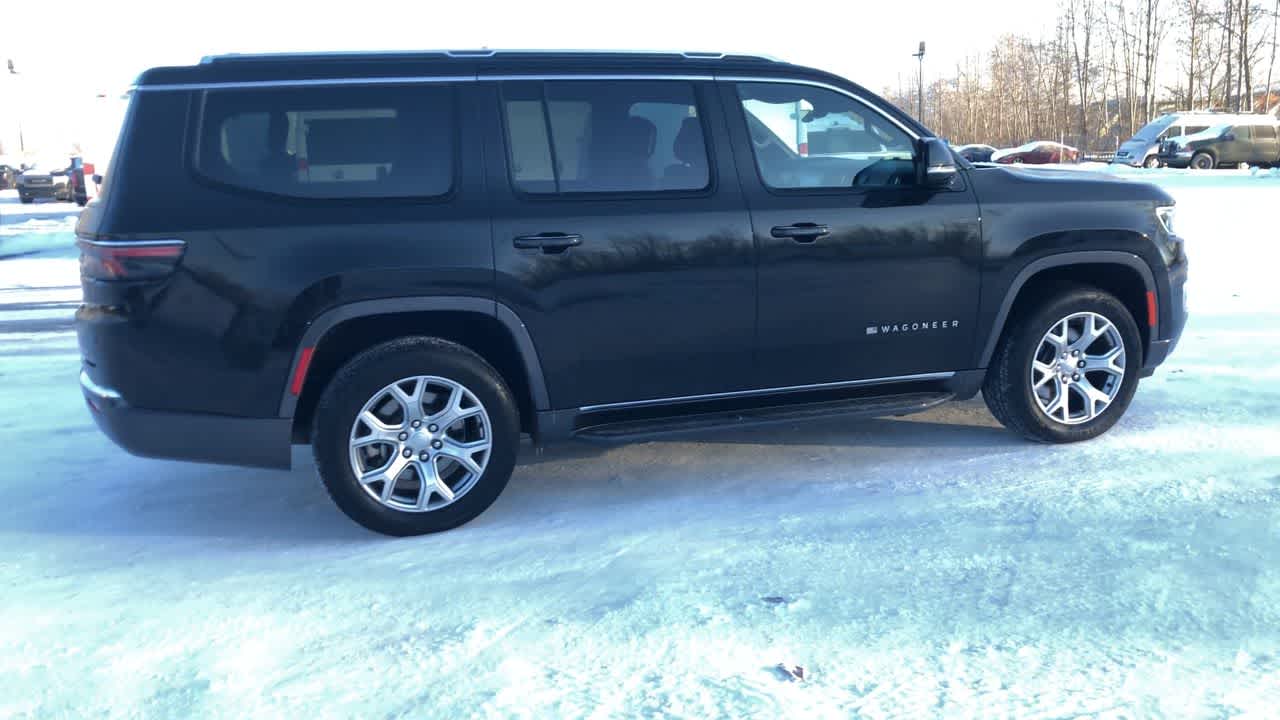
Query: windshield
[[1152, 130]]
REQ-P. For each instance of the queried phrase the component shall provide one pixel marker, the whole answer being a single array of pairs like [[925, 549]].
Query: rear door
[[621, 238], [1266, 148], [863, 273]]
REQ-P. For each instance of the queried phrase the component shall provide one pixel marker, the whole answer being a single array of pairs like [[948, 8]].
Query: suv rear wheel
[[415, 436], [1066, 371], [1202, 161]]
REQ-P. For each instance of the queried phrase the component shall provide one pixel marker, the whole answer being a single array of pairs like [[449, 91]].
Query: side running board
[[864, 407]]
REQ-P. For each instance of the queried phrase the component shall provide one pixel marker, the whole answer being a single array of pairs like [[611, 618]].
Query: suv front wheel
[[1066, 371], [415, 436], [1202, 161]]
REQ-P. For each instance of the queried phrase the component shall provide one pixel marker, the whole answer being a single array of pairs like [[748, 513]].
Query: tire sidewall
[[1197, 161], [1027, 342], [373, 370]]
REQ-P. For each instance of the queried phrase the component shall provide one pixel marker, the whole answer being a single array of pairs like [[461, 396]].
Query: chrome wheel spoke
[[1110, 362], [411, 401], [1059, 336], [430, 481], [464, 453], [1059, 406], [1093, 329], [1047, 373], [1095, 400], [453, 410]]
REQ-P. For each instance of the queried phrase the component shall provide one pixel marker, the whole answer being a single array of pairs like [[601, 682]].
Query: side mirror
[[937, 164], [1229, 137]]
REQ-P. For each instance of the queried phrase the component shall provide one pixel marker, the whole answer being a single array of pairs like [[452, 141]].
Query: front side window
[[330, 142], [586, 136], [811, 137]]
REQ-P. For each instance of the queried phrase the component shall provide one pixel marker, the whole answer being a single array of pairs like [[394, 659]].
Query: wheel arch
[[1123, 274], [489, 328]]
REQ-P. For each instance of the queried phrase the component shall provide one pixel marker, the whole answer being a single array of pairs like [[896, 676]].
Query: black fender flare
[[331, 318], [1091, 257]]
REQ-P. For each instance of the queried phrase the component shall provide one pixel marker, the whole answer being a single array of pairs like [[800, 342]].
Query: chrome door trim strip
[[765, 391], [314, 82]]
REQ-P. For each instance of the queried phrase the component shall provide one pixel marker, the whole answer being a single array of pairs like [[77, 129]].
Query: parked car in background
[[1142, 150], [1252, 141], [44, 180], [976, 153], [8, 176], [1040, 152]]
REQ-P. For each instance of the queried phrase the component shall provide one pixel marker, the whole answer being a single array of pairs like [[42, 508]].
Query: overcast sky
[[68, 51]]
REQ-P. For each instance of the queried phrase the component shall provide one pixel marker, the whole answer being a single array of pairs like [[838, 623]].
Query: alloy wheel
[[420, 443], [1078, 368]]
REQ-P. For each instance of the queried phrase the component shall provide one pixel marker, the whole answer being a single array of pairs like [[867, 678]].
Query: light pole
[[919, 56]]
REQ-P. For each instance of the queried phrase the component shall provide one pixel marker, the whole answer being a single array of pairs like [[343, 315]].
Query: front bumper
[[1170, 330], [1179, 160], [250, 442], [39, 192]]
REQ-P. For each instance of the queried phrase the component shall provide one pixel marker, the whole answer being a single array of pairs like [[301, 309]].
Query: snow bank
[[926, 566]]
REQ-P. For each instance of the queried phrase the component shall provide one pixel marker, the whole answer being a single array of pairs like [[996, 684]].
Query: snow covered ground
[[933, 565]]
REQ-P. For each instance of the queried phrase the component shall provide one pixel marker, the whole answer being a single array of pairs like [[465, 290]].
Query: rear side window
[[584, 137], [1264, 132], [330, 142]]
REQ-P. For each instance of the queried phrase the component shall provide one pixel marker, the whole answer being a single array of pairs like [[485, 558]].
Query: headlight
[[1165, 214]]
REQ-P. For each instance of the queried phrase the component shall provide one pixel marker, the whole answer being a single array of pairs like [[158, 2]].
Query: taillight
[[129, 260]]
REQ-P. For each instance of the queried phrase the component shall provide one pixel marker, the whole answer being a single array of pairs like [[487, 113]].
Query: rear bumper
[[251, 442]]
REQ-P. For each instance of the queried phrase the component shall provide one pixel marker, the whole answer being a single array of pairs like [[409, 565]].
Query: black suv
[[1251, 141], [411, 260]]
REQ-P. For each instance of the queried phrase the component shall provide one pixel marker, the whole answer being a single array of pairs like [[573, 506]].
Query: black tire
[[360, 379], [1151, 163], [1007, 388], [1203, 161]]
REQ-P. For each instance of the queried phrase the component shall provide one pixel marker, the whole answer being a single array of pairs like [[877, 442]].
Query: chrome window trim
[[826, 86], [422, 79], [318, 82], [766, 391], [129, 243], [611, 76]]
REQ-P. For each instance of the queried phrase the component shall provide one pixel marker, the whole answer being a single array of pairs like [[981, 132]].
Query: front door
[[864, 274], [621, 238]]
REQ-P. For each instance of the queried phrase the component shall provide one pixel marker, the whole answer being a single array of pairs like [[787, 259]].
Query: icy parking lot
[[922, 566]]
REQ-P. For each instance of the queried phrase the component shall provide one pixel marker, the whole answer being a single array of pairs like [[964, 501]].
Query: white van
[[1141, 149]]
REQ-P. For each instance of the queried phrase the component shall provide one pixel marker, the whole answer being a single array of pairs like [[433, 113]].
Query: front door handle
[[805, 232], [551, 242]]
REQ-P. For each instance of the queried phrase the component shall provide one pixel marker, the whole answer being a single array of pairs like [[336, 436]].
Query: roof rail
[[463, 53]]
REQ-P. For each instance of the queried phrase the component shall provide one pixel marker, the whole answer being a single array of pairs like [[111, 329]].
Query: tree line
[[1105, 69]]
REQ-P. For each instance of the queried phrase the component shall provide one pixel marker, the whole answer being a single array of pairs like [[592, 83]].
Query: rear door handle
[[805, 232], [551, 242]]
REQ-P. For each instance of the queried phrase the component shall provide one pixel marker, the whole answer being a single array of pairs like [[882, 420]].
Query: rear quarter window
[[383, 141]]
